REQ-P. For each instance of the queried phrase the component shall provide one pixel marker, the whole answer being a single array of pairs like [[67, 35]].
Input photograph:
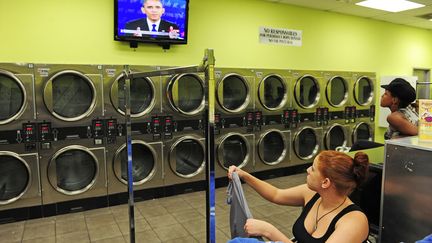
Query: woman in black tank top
[[328, 214]]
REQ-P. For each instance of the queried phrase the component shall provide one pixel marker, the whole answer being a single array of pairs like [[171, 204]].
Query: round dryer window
[[12, 97], [272, 148], [362, 132], [233, 150], [233, 93], [306, 91], [335, 137], [73, 170], [14, 178], [272, 92], [187, 157], [142, 96], [186, 93], [143, 165], [306, 143], [337, 91], [70, 95], [363, 91]]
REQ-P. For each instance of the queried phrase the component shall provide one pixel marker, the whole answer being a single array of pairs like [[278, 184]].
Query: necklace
[[318, 219]]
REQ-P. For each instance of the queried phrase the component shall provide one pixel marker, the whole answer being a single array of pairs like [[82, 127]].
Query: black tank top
[[299, 231]]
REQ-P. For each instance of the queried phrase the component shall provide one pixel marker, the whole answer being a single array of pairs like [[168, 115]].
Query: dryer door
[[15, 177], [73, 170], [306, 143], [186, 94], [307, 92], [337, 91], [233, 93], [362, 131], [142, 95], [363, 91], [233, 149], [187, 157], [272, 147], [13, 97], [143, 166], [272, 92], [70, 95], [335, 136]]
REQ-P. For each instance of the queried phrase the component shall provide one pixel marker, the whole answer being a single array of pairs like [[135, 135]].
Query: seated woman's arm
[[398, 122], [255, 227], [353, 228]]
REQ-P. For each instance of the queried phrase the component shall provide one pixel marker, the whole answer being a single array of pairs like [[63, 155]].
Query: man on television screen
[[153, 9]]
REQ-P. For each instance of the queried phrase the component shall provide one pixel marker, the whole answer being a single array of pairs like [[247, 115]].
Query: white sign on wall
[[384, 112], [268, 35]]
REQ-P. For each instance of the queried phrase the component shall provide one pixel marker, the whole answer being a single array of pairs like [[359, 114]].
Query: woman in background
[[328, 214]]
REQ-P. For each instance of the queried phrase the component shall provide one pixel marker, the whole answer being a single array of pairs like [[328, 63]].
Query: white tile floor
[[177, 219]]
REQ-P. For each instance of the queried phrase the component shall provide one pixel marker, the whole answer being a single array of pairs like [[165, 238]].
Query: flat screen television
[[163, 22]]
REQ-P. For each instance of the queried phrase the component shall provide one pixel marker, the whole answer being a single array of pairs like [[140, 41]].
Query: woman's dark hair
[[345, 172]]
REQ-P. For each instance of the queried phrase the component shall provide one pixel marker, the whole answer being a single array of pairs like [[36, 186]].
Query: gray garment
[[239, 211]]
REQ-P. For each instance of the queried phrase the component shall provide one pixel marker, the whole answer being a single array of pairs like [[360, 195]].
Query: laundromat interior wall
[[81, 31]]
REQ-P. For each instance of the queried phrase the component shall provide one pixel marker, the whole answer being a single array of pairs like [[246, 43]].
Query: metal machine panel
[[273, 90], [337, 90], [273, 148], [307, 90], [336, 135], [363, 129], [68, 95], [19, 179], [73, 169], [145, 93], [234, 91], [363, 92], [406, 200], [17, 103], [234, 147], [307, 142]]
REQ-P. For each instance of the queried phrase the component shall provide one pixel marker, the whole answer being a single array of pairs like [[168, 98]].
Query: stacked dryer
[[145, 99], [336, 111], [234, 119], [272, 135], [363, 102], [306, 115], [19, 160], [184, 141], [72, 154]]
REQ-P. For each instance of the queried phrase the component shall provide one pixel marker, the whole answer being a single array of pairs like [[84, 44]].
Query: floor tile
[[118, 239], [163, 220], [73, 225], [73, 237], [34, 231], [50, 239], [187, 215], [195, 226], [170, 232], [140, 225], [144, 236], [104, 232]]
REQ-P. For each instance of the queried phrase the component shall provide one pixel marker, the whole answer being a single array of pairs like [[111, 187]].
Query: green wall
[[81, 31]]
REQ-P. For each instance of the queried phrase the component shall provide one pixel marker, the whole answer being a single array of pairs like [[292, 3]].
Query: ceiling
[[409, 17]]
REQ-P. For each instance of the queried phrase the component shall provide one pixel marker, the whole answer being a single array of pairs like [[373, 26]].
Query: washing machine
[[307, 90], [334, 109], [306, 143], [234, 93], [273, 91], [272, 147], [145, 93], [16, 95], [234, 146], [19, 177], [363, 129], [69, 95], [147, 156], [72, 164]]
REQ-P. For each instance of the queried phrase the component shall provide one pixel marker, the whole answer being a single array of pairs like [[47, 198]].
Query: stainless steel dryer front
[[234, 92], [69, 95], [273, 91], [234, 147], [19, 178], [72, 167], [184, 159], [362, 130], [363, 93], [336, 134], [145, 93], [273, 148], [307, 143], [17, 104], [147, 157], [307, 90]]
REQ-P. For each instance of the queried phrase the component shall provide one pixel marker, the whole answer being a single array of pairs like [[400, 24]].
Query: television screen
[[154, 21]]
